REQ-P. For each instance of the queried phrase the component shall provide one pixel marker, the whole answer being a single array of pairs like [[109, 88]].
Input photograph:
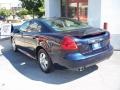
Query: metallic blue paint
[[50, 40], [78, 56]]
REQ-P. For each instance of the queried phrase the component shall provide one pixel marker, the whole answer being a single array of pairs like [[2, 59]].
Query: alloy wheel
[[43, 61]]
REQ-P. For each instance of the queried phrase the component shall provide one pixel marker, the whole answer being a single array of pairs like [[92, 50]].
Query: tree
[[5, 12], [35, 7], [22, 12]]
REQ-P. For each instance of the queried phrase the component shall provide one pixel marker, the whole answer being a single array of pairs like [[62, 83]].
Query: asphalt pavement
[[19, 72]]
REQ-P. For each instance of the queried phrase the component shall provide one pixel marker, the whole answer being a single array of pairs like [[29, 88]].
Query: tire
[[45, 62], [14, 47]]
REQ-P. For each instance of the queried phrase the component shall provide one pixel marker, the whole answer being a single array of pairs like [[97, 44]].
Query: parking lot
[[19, 72]]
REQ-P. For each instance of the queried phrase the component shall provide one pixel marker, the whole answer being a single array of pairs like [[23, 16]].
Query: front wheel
[[45, 62]]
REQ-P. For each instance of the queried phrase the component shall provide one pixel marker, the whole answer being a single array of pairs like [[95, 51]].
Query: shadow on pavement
[[30, 68]]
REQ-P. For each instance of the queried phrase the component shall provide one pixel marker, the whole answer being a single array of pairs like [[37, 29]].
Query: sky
[[9, 1]]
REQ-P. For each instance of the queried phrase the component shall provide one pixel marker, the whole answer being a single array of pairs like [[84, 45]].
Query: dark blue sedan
[[64, 41]]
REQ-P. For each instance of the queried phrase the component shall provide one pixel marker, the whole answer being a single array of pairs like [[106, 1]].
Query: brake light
[[68, 44]]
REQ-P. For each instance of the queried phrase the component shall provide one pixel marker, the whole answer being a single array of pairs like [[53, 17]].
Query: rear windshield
[[63, 24]]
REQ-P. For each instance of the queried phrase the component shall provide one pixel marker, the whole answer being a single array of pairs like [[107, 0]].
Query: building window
[[76, 9]]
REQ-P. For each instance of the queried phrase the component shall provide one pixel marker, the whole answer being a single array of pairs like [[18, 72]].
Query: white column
[[52, 8], [46, 8], [94, 13], [110, 13]]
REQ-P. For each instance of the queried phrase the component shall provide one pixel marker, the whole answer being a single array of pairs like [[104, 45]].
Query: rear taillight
[[68, 44]]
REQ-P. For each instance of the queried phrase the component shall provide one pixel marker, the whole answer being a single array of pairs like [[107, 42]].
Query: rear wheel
[[45, 62], [14, 47]]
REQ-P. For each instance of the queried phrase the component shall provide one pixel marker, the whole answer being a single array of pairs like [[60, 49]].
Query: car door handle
[[34, 37]]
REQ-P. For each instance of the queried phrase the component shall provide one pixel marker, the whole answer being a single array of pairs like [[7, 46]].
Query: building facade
[[10, 5], [98, 13]]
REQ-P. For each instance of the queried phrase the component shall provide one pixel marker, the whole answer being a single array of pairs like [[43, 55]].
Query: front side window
[[24, 26]]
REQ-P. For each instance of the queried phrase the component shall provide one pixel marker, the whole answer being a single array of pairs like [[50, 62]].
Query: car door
[[19, 40], [30, 41]]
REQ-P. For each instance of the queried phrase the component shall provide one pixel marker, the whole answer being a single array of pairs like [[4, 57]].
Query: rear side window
[[35, 27], [63, 24]]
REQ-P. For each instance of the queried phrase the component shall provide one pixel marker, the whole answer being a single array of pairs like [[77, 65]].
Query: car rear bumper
[[77, 60]]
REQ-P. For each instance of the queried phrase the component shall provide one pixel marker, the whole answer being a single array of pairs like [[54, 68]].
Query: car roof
[[2, 17], [50, 18]]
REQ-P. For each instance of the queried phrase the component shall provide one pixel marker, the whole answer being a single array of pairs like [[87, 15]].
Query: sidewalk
[[115, 41]]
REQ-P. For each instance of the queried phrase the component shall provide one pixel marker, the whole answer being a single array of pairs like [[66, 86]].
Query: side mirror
[[16, 31]]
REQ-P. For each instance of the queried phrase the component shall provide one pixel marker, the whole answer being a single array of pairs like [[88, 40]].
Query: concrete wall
[[110, 13], [52, 8], [100, 11]]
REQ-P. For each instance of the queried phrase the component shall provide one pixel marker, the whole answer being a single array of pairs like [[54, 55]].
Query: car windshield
[[63, 24]]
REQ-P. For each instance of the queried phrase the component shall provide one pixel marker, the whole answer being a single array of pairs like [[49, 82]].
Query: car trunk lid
[[90, 39]]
